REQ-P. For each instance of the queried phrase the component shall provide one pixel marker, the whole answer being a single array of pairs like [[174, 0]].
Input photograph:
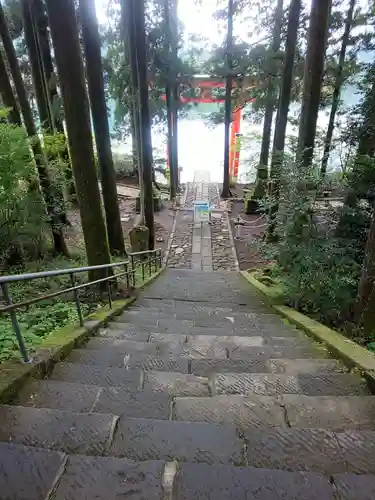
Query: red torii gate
[[211, 89]]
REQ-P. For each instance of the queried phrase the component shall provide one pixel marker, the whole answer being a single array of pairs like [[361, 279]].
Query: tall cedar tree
[[271, 101], [7, 95], [337, 88], [283, 107], [169, 97], [127, 31], [138, 11], [175, 89], [39, 81], [94, 70], [312, 80], [40, 159], [228, 100], [63, 24]]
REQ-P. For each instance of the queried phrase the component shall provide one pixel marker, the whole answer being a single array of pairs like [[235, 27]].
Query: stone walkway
[[197, 392], [202, 247]]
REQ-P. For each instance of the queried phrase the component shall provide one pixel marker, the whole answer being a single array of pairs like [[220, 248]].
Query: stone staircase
[[198, 391]]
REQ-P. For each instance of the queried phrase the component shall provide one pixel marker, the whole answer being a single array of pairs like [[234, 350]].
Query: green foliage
[[317, 267]]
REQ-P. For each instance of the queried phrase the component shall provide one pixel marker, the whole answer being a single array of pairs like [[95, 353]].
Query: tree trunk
[[144, 114], [283, 109], [66, 45], [40, 159], [7, 95], [175, 90], [40, 85], [41, 27], [271, 100], [168, 94], [228, 101], [337, 89], [313, 76], [128, 34], [91, 44], [365, 303]]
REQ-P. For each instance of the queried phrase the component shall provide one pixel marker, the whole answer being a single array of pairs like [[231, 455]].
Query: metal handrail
[[130, 272]]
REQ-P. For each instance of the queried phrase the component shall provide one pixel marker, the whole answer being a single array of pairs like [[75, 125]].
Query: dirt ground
[[163, 220]]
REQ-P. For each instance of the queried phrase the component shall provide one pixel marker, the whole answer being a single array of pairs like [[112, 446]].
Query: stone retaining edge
[[352, 354]]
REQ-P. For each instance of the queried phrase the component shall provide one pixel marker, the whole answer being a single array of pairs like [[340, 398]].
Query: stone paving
[[196, 392], [202, 247]]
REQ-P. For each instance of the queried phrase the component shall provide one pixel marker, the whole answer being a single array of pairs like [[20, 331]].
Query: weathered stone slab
[[105, 357], [241, 411], [255, 383], [173, 338], [208, 366], [176, 384], [28, 473], [156, 363], [353, 487], [332, 384], [194, 351], [59, 395], [145, 439], [230, 341], [220, 482], [74, 433], [314, 450], [338, 413], [121, 401], [110, 479], [97, 375], [299, 366], [268, 351], [357, 449], [128, 346], [134, 333]]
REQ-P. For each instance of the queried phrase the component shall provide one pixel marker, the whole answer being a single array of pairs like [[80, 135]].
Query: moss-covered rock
[[139, 238]]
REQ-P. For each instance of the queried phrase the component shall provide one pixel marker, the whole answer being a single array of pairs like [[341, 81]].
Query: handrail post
[[132, 259], [15, 324], [109, 291], [127, 276], [149, 265], [76, 299]]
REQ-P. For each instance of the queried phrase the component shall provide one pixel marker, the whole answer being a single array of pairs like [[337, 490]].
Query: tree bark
[[313, 76], [168, 94], [175, 90], [37, 73], [283, 108], [228, 101], [271, 100], [337, 89], [365, 303], [7, 95], [63, 24], [144, 114], [94, 69], [40, 159], [127, 25]]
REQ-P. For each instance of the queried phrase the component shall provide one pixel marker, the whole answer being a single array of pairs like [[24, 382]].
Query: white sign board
[[201, 211]]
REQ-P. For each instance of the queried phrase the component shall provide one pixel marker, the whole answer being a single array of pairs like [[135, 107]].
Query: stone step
[[81, 398], [74, 433], [112, 358], [145, 439], [223, 482], [176, 384], [28, 473], [280, 351], [109, 478], [97, 375], [327, 384], [159, 348], [314, 450], [195, 307], [339, 413], [241, 411]]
